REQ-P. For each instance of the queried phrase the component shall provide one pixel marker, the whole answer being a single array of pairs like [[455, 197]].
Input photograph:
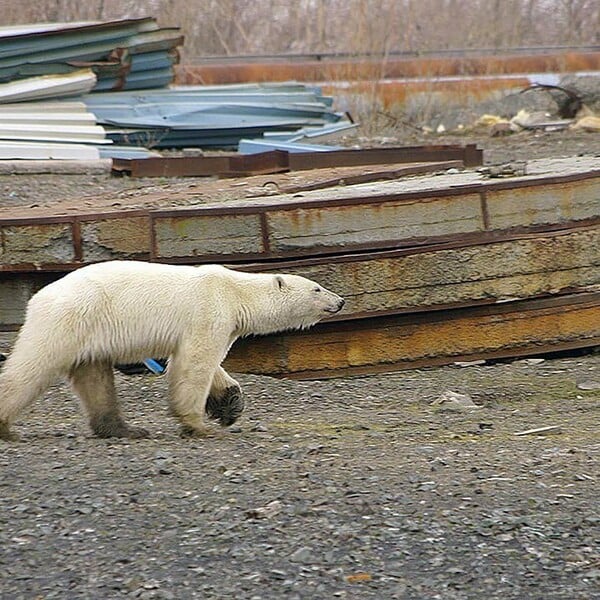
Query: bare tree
[[230, 27]]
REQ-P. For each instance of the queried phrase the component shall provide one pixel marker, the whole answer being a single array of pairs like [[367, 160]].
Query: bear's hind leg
[[21, 382], [94, 383]]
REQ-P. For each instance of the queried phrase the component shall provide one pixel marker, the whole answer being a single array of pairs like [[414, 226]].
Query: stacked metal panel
[[48, 62], [210, 116], [126, 54], [51, 61]]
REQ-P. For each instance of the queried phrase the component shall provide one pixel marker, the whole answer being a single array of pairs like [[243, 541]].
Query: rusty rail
[[277, 161]]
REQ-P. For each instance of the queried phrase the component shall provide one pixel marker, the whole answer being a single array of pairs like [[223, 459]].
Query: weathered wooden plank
[[36, 244], [543, 204], [409, 341], [207, 235], [116, 238], [373, 223]]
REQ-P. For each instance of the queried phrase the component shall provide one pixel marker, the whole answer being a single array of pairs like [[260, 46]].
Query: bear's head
[[307, 301], [289, 302]]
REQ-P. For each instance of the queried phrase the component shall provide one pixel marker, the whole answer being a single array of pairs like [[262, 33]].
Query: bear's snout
[[337, 306]]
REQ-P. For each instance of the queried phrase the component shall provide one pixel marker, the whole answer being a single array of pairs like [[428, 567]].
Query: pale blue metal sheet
[[257, 146]]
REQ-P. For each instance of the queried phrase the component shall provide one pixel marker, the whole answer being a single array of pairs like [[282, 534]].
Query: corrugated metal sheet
[[60, 60], [10, 150], [210, 115], [49, 130], [133, 53], [48, 86]]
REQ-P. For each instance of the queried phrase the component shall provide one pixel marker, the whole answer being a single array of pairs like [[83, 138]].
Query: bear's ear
[[279, 282]]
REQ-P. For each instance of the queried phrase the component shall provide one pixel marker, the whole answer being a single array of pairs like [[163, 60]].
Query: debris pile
[[209, 116], [117, 55], [458, 266], [538, 107], [120, 70]]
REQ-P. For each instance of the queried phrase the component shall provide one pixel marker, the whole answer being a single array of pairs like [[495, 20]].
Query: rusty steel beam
[[234, 165], [277, 161], [386, 344], [470, 155], [373, 68]]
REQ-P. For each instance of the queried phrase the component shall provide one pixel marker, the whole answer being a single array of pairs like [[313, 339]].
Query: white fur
[[125, 311]]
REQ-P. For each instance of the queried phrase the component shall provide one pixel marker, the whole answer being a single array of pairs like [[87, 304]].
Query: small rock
[[265, 512], [589, 385], [302, 555], [454, 400]]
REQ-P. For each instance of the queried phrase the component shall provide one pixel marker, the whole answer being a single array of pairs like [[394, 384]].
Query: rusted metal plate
[[111, 239], [426, 278], [325, 178], [208, 236], [320, 223], [36, 244], [341, 227], [397, 214], [410, 341]]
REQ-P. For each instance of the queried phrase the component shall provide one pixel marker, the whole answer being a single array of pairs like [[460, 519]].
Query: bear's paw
[[6, 434], [227, 407]]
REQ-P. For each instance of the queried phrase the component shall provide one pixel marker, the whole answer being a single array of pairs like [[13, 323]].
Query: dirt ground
[[352, 488]]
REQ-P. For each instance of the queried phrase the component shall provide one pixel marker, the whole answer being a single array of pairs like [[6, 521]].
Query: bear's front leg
[[225, 402], [190, 373]]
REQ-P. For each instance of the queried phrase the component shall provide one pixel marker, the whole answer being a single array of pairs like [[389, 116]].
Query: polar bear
[[124, 311]]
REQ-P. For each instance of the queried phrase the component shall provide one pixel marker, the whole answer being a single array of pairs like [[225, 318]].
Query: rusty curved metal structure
[[434, 268]]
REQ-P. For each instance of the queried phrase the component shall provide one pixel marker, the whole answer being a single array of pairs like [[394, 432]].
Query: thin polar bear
[[124, 311]]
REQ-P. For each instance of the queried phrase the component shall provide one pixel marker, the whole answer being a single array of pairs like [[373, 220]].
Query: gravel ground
[[350, 488]]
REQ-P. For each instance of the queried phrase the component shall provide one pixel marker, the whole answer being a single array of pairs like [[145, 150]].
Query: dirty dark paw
[[109, 426], [226, 407], [6, 434]]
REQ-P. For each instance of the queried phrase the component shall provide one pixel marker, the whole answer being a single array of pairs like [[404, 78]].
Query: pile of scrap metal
[[434, 269], [99, 64], [40, 65], [115, 55], [209, 116]]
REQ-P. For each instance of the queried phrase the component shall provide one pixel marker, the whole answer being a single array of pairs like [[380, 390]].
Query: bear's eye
[[317, 289]]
